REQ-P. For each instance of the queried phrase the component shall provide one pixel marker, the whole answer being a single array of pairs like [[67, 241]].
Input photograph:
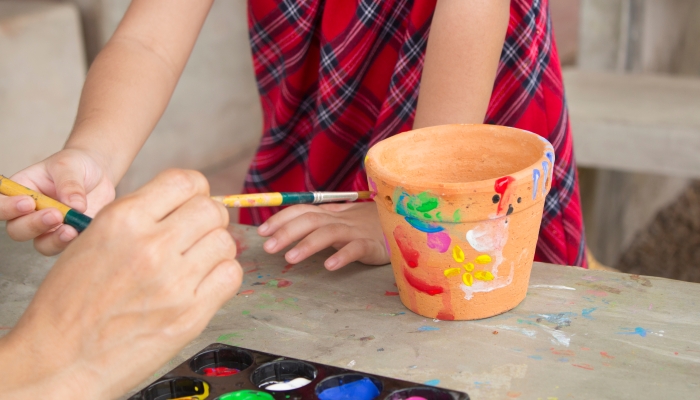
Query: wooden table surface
[[578, 335]]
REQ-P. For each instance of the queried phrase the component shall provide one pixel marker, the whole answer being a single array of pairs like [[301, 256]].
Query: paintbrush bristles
[[364, 195]]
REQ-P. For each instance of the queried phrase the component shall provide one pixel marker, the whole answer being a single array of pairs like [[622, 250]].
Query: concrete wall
[[631, 36], [42, 67], [213, 120]]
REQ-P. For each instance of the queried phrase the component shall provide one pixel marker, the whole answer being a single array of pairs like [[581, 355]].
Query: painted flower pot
[[460, 207]]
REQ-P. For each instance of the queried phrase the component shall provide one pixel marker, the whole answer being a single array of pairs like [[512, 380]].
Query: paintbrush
[[288, 198], [71, 217], [80, 221]]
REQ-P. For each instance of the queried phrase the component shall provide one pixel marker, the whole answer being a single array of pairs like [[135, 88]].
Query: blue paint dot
[[535, 357], [636, 331], [426, 328], [432, 382], [586, 313]]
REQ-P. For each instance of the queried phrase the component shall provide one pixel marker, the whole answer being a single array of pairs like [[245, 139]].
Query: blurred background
[[632, 77]]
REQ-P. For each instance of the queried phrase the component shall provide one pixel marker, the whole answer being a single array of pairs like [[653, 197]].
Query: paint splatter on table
[[578, 334]]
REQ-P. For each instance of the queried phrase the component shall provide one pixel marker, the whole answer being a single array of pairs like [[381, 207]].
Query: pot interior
[[454, 154]]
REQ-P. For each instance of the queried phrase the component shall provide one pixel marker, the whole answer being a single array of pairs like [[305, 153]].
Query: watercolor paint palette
[[223, 372]]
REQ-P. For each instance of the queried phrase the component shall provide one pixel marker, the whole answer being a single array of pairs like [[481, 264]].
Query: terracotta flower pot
[[460, 207]]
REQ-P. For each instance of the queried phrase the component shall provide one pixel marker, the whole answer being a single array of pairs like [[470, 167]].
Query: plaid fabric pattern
[[337, 76]]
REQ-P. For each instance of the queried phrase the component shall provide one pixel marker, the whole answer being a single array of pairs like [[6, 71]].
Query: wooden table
[[578, 335]]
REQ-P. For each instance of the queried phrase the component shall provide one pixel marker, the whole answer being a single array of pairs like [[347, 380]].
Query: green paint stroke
[[422, 202], [270, 302], [229, 337], [246, 312], [456, 217]]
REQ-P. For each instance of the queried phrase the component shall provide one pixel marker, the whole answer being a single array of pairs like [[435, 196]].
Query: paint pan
[[417, 393], [284, 375], [265, 376], [177, 388], [221, 362], [349, 387]]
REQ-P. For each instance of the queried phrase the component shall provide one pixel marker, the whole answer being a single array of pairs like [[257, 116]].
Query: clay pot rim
[[394, 179]]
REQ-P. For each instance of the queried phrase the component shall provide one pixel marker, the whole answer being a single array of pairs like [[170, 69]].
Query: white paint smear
[[558, 337], [551, 287], [526, 332], [291, 385], [497, 283]]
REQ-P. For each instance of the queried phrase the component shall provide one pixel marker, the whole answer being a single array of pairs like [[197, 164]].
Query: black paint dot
[[496, 198], [520, 199], [510, 209]]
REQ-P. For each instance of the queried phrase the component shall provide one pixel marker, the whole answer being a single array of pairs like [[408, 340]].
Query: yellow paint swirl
[[458, 254], [451, 272], [468, 279], [483, 259], [483, 275]]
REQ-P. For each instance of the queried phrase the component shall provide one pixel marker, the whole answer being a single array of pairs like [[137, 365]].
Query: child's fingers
[[284, 217], [15, 206], [366, 250], [28, 227], [54, 242], [318, 240], [297, 229]]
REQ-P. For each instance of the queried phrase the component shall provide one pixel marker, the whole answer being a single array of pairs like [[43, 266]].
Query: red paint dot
[[220, 371], [283, 283], [445, 315], [388, 293], [246, 292]]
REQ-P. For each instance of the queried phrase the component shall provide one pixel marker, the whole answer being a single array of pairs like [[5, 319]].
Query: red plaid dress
[[337, 76]]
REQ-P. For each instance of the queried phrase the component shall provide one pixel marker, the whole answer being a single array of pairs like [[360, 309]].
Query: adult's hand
[[73, 177], [135, 287]]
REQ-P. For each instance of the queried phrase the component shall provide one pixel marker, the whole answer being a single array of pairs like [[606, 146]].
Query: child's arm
[[126, 91], [464, 47]]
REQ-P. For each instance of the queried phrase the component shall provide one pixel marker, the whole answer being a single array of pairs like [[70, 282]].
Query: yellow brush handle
[[251, 200], [11, 188]]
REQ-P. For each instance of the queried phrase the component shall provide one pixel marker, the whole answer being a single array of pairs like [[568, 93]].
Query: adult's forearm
[[464, 47]]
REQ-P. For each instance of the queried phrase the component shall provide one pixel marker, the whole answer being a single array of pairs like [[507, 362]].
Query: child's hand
[[73, 177], [353, 229]]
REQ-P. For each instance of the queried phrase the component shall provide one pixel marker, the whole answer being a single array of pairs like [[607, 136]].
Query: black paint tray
[[250, 375]]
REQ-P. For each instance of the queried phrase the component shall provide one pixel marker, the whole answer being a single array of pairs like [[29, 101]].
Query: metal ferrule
[[332, 197]]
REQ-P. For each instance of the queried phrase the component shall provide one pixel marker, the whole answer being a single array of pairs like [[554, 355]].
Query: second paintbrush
[[283, 199]]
